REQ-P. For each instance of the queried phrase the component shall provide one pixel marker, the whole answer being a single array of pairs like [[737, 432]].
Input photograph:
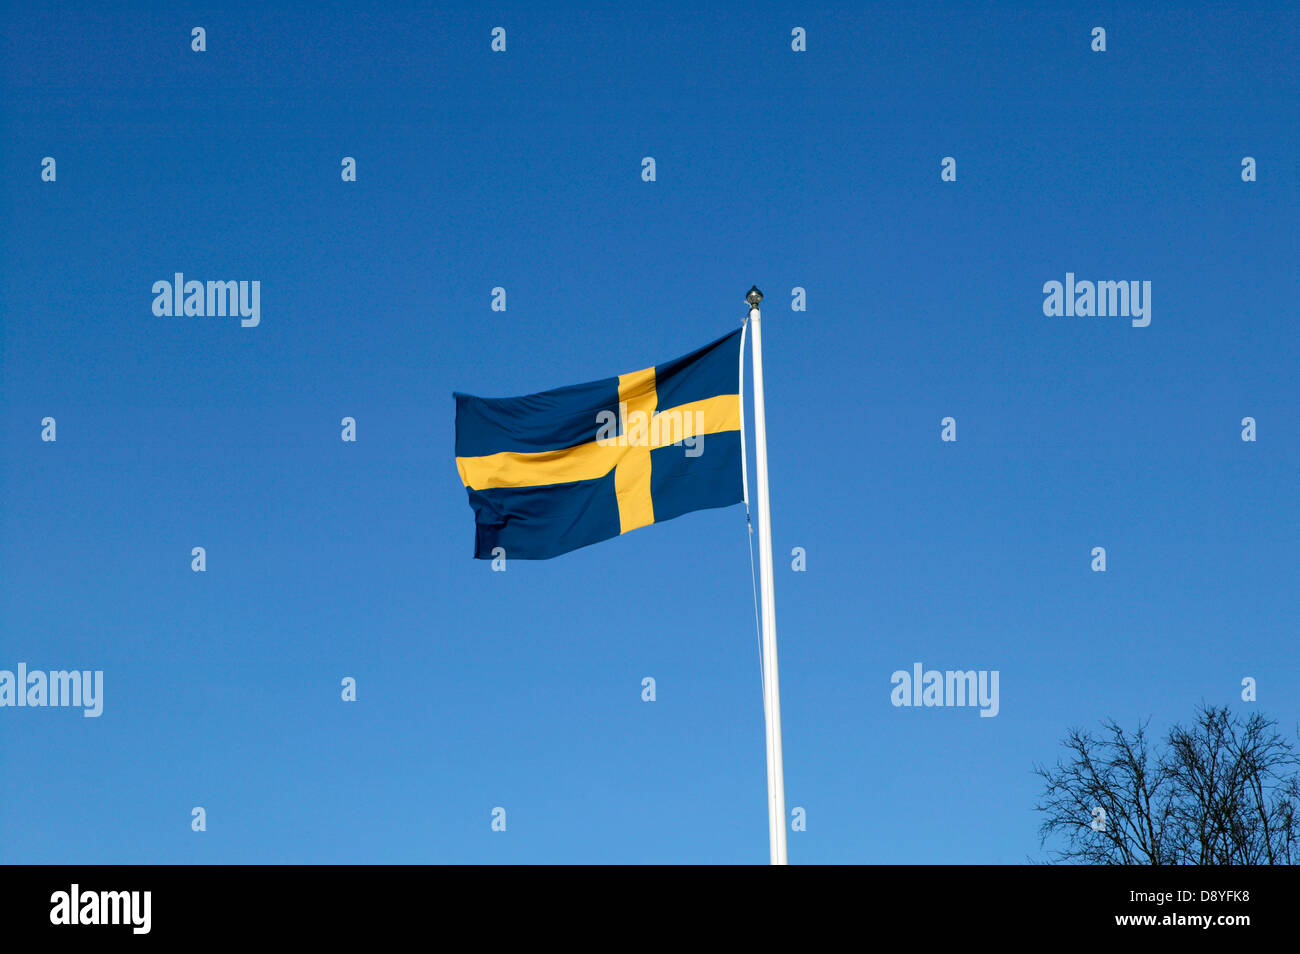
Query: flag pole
[[771, 682]]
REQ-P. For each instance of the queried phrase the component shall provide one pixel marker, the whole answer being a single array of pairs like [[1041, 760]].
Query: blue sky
[[522, 169]]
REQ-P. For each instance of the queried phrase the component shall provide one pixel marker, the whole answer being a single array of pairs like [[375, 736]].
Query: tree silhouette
[[1224, 791]]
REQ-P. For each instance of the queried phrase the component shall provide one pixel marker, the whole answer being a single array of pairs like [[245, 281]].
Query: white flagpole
[[771, 683]]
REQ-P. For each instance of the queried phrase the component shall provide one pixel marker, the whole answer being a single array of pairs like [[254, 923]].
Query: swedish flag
[[551, 472]]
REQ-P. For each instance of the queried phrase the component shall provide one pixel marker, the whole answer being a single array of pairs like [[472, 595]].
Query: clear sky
[[817, 169]]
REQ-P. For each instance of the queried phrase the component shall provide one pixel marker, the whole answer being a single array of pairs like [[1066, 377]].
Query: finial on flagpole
[[754, 297]]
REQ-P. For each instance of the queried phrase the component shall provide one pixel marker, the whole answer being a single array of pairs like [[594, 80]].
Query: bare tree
[[1223, 791]]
